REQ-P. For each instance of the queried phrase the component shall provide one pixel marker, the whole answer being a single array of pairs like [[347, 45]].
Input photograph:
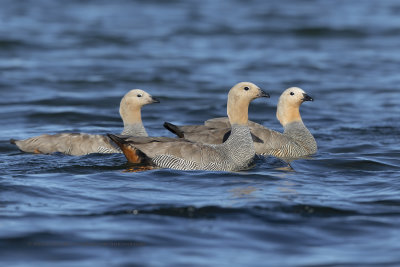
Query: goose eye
[[291, 93], [246, 88], [139, 95]]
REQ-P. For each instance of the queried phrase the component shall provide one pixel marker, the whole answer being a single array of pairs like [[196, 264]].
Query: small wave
[[357, 164], [94, 39], [67, 116], [372, 130], [329, 32], [10, 44], [314, 32], [390, 203], [271, 212], [32, 243]]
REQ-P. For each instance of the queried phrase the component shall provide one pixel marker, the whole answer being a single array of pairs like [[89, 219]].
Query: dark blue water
[[65, 66]]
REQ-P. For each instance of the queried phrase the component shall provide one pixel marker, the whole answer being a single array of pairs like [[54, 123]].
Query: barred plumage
[[172, 162], [107, 150], [295, 142], [135, 129], [236, 153]]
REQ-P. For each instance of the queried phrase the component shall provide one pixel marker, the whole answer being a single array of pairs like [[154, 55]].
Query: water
[[65, 66]]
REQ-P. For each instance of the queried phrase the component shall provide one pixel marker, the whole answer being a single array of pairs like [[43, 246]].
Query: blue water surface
[[64, 67]]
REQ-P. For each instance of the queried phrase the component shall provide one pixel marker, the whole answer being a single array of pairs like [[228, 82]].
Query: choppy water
[[65, 66]]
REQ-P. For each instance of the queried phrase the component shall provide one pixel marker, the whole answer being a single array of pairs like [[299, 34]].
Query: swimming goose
[[295, 142], [236, 153], [77, 144]]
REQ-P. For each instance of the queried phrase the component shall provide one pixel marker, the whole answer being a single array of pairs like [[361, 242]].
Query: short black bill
[[263, 94], [155, 100], [307, 97]]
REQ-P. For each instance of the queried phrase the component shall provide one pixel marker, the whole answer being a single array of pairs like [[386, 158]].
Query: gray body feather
[[236, 153], [296, 141], [135, 129], [76, 144], [81, 144]]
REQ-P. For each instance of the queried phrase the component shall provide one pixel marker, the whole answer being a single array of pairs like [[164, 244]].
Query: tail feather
[[13, 141], [132, 154], [116, 139], [174, 129]]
